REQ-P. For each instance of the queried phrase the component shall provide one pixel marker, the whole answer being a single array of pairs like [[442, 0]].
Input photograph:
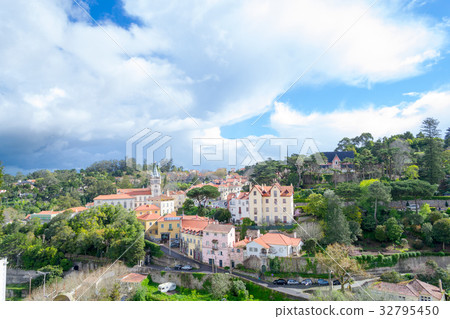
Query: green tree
[[378, 192], [432, 168], [223, 215], [380, 233], [337, 229], [348, 191], [427, 234], [317, 205], [220, 286], [202, 194], [412, 172], [337, 259], [394, 230], [441, 231]]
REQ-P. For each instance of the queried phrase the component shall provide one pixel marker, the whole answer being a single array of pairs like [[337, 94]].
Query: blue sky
[[72, 93]]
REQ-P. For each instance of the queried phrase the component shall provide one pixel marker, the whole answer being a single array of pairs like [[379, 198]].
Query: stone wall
[[19, 276], [438, 203], [308, 265]]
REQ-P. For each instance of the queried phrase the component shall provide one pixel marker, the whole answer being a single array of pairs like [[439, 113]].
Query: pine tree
[[432, 169]]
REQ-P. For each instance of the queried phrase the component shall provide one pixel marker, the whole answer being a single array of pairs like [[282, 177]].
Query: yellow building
[[149, 221], [164, 228], [271, 204], [191, 235], [147, 209]]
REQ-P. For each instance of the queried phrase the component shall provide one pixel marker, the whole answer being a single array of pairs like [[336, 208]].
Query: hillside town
[[299, 232]]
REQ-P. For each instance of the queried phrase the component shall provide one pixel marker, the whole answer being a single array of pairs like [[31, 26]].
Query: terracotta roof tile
[[133, 278]]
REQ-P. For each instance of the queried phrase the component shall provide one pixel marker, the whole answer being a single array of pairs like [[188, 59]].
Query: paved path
[[290, 290]]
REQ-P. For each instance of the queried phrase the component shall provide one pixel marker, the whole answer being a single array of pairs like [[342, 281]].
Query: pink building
[[217, 241], [237, 252]]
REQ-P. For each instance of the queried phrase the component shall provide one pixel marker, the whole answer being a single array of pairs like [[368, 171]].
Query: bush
[[155, 249], [404, 242], [391, 276], [418, 244]]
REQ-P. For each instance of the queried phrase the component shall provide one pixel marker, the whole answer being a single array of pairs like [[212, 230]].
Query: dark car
[[306, 282], [322, 282], [336, 282], [280, 282], [178, 267]]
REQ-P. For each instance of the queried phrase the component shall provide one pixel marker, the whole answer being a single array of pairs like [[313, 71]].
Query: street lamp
[[43, 273]]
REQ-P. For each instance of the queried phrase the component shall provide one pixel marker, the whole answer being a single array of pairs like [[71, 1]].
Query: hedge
[[380, 260]]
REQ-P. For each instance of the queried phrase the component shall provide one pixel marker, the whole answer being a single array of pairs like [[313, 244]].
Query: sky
[[226, 83]]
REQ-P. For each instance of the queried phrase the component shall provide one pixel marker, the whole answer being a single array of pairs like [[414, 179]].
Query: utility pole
[[329, 281]]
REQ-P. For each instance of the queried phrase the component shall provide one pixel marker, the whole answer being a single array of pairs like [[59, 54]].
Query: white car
[[186, 267], [167, 286]]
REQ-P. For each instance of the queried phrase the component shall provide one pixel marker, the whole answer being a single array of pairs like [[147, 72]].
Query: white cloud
[[223, 62], [327, 128]]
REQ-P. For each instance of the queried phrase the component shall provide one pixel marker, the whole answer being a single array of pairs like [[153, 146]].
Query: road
[[290, 290]]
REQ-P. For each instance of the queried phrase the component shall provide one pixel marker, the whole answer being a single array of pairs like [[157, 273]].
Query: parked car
[[322, 282], [413, 207], [178, 267], [186, 267], [280, 282], [292, 282], [175, 244], [336, 282], [306, 282]]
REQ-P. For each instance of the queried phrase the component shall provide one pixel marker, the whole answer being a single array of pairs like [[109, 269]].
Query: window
[[215, 234], [276, 209], [162, 225], [238, 250], [267, 201], [256, 218], [232, 250], [284, 200], [275, 201], [223, 235], [223, 245], [284, 219], [178, 225], [254, 201], [267, 209], [254, 193], [284, 209], [275, 193], [207, 233]]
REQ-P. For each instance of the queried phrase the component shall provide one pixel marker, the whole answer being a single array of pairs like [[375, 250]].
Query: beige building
[[271, 204], [191, 235]]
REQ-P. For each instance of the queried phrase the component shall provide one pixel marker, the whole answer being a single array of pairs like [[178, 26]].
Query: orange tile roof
[[277, 239], [77, 209], [194, 225], [146, 208], [285, 191], [113, 196], [219, 228], [133, 278], [129, 190], [242, 242], [154, 216]]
